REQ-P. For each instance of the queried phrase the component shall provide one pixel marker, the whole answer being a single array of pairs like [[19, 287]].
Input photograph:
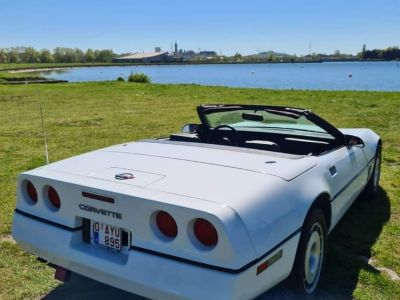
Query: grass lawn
[[81, 117], [6, 76]]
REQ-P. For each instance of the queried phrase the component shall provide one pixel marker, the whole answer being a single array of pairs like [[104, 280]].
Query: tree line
[[391, 53], [58, 55], [76, 55]]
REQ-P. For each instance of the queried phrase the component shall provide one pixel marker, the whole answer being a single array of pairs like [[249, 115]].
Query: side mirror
[[354, 141], [190, 128]]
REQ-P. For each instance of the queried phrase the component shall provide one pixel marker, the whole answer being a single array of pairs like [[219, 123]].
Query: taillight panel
[[54, 198], [31, 192], [201, 232], [166, 224], [47, 194], [205, 232]]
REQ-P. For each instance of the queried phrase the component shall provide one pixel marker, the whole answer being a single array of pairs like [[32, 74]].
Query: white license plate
[[106, 235]]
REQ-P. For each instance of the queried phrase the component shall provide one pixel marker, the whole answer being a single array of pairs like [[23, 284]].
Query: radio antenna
[[46, 150], [44, 133]]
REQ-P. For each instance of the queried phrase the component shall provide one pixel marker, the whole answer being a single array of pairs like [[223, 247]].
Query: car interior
[[273, 139]]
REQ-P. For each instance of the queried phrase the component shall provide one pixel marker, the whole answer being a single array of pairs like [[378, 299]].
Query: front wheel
[[371, 188], [311, 252]]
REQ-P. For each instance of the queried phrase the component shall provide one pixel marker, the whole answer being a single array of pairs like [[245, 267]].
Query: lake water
[[372, 76]]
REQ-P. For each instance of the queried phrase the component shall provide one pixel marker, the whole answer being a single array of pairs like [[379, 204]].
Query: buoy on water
[[350, 75]]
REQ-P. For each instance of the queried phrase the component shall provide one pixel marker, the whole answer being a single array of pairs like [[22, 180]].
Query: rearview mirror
[[190, 128], [354, 141], [252, 117]]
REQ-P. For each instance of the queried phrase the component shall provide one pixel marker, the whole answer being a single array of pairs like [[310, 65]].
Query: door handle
[[333, 171]]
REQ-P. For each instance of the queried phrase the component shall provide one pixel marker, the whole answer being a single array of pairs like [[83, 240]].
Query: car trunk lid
[[154, 160]]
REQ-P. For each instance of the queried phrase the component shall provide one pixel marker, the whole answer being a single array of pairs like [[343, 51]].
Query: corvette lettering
[[100, 211]]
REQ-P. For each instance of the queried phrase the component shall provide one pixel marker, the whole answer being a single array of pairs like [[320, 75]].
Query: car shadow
[[82, 288], [351, 240]]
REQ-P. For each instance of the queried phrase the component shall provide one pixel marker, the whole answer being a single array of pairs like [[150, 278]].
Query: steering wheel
[[218, 137]]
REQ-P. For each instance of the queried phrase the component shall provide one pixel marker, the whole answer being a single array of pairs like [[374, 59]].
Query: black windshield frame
[[204, 110]]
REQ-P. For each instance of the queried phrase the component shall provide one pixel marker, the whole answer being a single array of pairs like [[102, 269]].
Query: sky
[[225, 26]]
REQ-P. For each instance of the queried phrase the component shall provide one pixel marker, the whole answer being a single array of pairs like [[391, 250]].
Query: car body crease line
[[351, 180], [136, 248]]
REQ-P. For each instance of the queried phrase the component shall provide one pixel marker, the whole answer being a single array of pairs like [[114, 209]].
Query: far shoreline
[[31, 68]]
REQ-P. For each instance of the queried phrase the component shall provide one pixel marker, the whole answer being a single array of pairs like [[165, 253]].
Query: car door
[[347, 175]]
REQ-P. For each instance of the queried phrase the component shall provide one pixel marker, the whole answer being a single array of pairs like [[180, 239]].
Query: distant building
[[176, 48], [188, 55], [157, 49], [145, 57], [207, 53]]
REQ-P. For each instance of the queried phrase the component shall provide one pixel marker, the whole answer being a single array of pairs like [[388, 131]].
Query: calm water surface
[[378, 76]]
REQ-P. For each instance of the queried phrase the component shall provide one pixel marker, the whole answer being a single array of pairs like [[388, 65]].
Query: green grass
[[85, 116], [139, 78], [29, 76]]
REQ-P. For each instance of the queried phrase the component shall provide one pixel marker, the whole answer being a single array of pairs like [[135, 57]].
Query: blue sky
[[220, 25]]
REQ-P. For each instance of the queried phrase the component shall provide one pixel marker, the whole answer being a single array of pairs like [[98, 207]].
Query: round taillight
[[166, 224], [54, 198], [32, 193], [205, 232]]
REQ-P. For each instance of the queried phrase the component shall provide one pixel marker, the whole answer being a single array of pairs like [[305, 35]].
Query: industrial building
[[145, 57]]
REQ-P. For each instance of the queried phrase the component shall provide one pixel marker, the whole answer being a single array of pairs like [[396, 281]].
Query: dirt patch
[[374, 264], [7, 238]]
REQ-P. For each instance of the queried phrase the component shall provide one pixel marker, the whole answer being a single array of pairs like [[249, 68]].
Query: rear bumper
[[146, 274]]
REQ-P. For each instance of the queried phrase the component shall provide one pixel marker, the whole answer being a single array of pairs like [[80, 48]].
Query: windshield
[[261, 119]]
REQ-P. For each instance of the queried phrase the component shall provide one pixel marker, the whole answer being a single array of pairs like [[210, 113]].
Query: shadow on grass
[[82, 288], [353, 237]]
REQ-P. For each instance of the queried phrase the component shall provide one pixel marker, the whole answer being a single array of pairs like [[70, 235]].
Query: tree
[[59, 55], [373, 54], [3, 56], [13, 56], [364, 48], [70, 55], [391, 53], [29, 55], [104, 55], [45, 56], [79, 55], [90, 57], [237, 57]]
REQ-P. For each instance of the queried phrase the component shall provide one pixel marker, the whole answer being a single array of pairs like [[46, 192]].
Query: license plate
[[106, 235]]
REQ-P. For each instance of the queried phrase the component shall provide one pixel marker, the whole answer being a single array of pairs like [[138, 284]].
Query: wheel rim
[[377, 172], [314, 257]]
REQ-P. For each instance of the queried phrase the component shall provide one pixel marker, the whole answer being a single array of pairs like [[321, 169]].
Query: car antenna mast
[[43, 129]]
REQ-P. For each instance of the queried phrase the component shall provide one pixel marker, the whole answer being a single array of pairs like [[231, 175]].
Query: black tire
[[310, 257], [371, 188]]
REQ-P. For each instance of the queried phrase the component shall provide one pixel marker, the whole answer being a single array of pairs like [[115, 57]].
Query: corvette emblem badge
[[124, 176]]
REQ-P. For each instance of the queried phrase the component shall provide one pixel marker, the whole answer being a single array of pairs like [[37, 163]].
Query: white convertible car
[[226, 209]]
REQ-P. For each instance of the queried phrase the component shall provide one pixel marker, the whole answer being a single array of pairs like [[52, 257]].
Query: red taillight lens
[[205, 232], [166, 224], [32, 193], [54, 198]]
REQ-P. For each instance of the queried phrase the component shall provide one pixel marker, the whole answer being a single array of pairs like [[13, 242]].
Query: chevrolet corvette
[[224, 209]]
